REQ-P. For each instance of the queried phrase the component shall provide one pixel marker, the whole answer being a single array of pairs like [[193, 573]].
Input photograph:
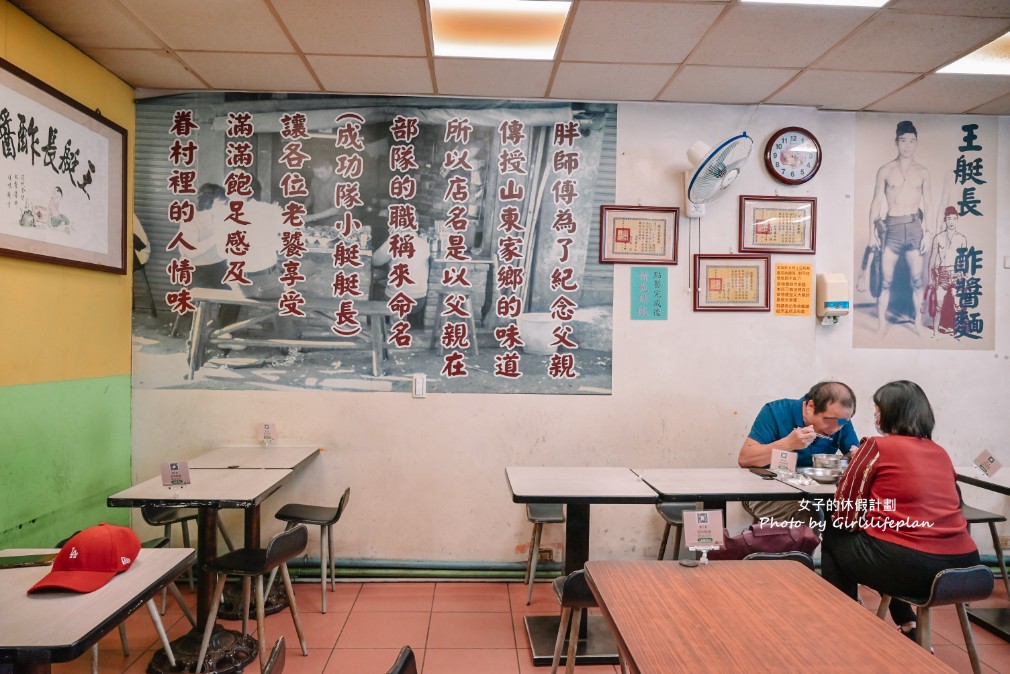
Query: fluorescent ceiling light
[[826, 3], [502, 29], [992, 59]]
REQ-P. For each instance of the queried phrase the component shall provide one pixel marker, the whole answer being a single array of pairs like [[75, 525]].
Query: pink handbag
[[767, 538]]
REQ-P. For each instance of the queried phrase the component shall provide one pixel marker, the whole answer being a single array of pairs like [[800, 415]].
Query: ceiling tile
[[147, 69], [217, 25], [375, 27], [1001, 106], [776, 36], [93, 24], [959, 8], [250, 72], [945, 94], [897, 42], [373, 75], [840, 90], [494, 79], [641, 32], [609, 82], [715, 84]]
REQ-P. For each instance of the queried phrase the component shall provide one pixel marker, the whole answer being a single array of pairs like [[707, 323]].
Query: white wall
[[427, 476]]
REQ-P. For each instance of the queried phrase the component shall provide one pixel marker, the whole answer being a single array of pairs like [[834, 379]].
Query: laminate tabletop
[[254, 456], [745, 616], [577, 484], [715, 484], [210, 487], [59, 626]]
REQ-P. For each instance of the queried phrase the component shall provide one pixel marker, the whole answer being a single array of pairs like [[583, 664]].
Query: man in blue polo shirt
[[818, 423]]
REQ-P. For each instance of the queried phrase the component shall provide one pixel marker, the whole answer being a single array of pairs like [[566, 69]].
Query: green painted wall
[[63, 454]]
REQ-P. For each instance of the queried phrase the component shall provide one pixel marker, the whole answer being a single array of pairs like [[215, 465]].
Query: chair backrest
[[795, 556], [957, 586], [405, 663], [286, 545], [275, 665], [575, 592], [343, 503]]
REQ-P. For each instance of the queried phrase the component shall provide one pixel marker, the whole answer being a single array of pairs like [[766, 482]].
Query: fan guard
[[718, 169]]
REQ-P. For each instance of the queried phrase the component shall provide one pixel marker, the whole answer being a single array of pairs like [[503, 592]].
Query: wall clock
[[793, 155]]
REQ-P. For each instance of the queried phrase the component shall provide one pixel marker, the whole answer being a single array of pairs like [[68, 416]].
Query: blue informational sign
[[649, 293]]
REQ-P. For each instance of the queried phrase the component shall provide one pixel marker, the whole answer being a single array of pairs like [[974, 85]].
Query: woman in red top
[[897, 520]]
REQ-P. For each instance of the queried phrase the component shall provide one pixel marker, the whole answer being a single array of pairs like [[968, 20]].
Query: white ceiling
[[713, 51]]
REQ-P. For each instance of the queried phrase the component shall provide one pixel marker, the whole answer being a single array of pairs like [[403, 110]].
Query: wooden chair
[[539, 514], [976, 516], [405, 663], [952, 586], [574, 596], [256, 563], [166, 517], [325, 517]]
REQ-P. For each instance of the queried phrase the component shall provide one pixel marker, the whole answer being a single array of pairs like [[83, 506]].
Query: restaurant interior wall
[[65, 356], [428, 474]]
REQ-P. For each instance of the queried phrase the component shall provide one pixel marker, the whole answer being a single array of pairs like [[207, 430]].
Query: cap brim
[[75, 581]]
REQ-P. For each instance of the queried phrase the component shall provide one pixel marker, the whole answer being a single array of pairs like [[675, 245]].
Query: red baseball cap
[[91, 558]]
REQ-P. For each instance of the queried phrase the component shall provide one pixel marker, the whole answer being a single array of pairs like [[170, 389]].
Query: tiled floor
[[475, 628]]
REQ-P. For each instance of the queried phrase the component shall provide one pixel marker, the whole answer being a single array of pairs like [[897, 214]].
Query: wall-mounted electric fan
[[715, 170]]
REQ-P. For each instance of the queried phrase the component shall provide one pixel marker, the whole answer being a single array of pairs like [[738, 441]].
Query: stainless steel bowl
[[822, 475], [828, 461]]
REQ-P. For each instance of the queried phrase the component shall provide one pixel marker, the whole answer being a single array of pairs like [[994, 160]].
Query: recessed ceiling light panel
[[826, 3], [992, 59], [502, 29]]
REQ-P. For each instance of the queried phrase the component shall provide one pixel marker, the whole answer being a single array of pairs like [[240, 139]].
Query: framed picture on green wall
[[64, 173]]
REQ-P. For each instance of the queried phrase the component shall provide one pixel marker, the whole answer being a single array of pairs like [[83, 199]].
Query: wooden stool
[[539, 514], [442, 314], [952, 586]]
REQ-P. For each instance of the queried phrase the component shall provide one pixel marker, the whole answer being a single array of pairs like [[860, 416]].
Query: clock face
[[793, 155]]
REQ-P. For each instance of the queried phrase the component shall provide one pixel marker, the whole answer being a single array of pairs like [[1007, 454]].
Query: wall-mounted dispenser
[[832, 297]]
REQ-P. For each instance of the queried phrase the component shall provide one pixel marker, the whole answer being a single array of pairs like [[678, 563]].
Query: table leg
[[230, 651], [596, 641]]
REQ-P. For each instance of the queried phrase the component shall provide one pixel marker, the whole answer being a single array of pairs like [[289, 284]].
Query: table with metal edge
[[996, 620], [37, 630], [578, 488], [210, 490]]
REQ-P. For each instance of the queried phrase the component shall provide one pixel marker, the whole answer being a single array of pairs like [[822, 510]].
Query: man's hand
[[800, 438]]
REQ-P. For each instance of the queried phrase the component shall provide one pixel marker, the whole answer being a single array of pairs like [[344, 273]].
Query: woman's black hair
[[904, 410]]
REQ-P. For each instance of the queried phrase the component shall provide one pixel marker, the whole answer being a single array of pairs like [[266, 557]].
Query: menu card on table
[[783, 461], [703, 529], [174, 473], [987, 463]]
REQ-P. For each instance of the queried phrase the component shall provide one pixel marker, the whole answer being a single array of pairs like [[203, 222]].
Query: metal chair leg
[[160, 627], [290, 592], [999, 556], [566, 615], [662, 543], [924, 627], [531, 567], [261, 623], [174, 589], [209, 628], [885, 603], [677, 542], [323, 562], [333, 563], [573, 640], [969, 638], [122, 638]]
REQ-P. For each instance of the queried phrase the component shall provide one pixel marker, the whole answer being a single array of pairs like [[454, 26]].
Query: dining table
[[745, 616], [995, 619], [578, 487], [39, 629], [714, 487], [209, 490]]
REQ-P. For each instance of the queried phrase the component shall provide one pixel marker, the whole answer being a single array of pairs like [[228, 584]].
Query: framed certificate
[[638, 234], [731, 282], [778, 224]]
